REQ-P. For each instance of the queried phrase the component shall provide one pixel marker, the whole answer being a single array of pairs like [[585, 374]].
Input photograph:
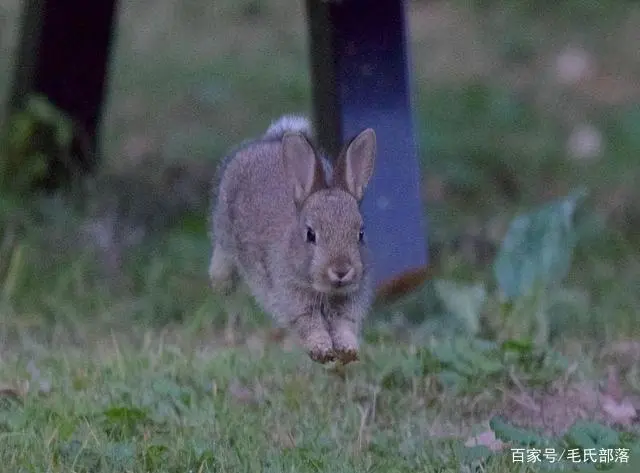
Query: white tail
[[289, 123]]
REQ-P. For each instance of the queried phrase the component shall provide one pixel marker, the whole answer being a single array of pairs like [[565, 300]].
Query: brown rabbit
[[289, 224]]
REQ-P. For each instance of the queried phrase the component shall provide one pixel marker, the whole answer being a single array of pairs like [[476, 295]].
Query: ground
[[116, 356]]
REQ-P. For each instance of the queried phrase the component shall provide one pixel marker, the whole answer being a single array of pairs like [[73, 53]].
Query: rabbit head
[[329, 227]]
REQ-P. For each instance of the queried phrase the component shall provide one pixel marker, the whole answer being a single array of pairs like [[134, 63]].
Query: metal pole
[[360, 78]]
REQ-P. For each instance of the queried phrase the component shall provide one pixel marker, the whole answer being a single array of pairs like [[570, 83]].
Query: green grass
[[116, 357], [166, 402], [172, 402]]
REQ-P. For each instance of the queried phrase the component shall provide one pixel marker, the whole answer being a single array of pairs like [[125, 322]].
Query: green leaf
[[21, 129], [537, 248], [43, 110], [508, 433], [124, 421], [463, 302], [48, 114], [585, 434], [154, 456], [64, 134], [522, 347], [461, 361]]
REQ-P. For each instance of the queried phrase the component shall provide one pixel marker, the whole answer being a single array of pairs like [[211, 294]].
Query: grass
[[168, 401], [115, 356], [206, 410], [160, 402]]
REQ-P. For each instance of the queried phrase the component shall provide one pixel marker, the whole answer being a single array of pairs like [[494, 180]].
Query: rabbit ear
[[302, 168], [355, 164]]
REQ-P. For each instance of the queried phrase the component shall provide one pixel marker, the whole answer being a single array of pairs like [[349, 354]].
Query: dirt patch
[[554, 410]]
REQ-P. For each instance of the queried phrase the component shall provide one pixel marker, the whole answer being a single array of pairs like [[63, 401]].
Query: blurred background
[[516, 103]]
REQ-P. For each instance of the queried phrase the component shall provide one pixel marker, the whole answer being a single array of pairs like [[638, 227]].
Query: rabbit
[[288, 223]]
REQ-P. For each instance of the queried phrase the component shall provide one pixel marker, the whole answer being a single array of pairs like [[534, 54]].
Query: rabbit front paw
[[314, 337], [345, 341], [322, 356], [346, 348], [347, 355], [319, 347]]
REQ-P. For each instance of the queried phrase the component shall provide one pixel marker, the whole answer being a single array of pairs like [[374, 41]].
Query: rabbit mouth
[[336, 288]]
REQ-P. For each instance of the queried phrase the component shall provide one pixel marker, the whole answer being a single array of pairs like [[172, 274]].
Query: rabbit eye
[[311, 235], [361, 236]]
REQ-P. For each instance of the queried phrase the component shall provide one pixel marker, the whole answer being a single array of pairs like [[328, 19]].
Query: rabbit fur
[[288, 224]]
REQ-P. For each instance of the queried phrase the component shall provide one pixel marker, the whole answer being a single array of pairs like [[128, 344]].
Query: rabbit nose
[[343, 274]]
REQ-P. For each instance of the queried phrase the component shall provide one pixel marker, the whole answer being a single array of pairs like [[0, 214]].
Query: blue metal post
[[360, 75]]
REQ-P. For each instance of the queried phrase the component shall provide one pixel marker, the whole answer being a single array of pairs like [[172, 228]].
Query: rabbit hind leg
[[222, 271]]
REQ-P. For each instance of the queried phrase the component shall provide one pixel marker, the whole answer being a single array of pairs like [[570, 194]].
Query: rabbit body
[[288, 224]]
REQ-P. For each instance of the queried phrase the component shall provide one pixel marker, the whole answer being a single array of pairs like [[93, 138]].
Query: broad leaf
[[463, 302], [537, 248]]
